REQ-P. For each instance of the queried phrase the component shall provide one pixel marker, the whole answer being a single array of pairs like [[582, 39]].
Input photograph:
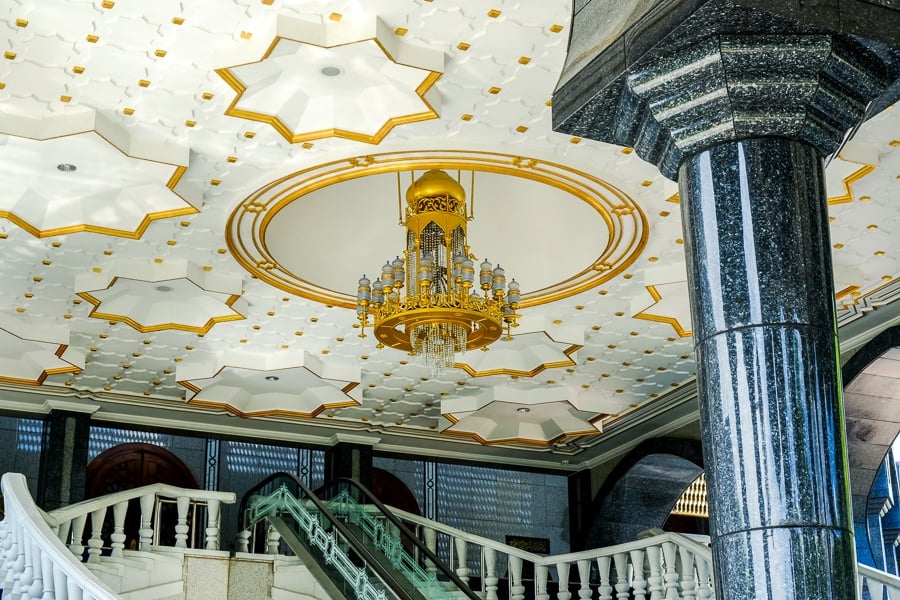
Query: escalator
[[362, 549]]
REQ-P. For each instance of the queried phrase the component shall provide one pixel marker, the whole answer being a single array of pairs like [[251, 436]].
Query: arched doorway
[[388, 488], [133, 465]]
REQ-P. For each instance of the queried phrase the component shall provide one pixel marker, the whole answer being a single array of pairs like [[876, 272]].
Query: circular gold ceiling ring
[[626, 224]]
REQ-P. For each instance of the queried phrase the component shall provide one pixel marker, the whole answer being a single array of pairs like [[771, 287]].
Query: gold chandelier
[[442, 312]]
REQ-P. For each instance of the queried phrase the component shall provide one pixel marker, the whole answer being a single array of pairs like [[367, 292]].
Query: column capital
[[676, 77]]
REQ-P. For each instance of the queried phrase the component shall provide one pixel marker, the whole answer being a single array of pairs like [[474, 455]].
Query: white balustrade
[[42, 554]]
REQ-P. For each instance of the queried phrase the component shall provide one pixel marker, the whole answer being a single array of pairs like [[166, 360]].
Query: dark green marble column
[[64, 459], [760, 280], [741, 101], [353, 461]]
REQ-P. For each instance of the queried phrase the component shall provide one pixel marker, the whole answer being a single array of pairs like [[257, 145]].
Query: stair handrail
[[35, 560], [248, 516], [70, 521], [875, 578], [386, 511]]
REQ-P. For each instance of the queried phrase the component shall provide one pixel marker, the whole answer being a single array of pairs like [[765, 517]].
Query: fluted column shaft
[[759, 269]]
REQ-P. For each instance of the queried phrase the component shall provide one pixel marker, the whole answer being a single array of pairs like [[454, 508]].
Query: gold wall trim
[[306, 136], [627, 227]]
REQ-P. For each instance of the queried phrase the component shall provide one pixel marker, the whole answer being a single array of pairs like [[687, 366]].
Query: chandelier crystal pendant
[[442, 312]]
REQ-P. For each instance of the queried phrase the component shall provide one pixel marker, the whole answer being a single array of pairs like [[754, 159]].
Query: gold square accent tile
[[627, 150], [78, 69], [249, 134], [92, 38], [494, 90], [493, 13], [575, 140], [215, 181], [190, 123], [401, 31], [107, 4], [306, 145], [524, 60], [556, 28], [646, 183], [246, 35], [21, 22], [207, 96], [65, 98], [160, 53], [463, 46], [177, 20], [9, 55], [144, 83], [335, 16], [466, 117], [128, 111], [521, 129], [231, 159]]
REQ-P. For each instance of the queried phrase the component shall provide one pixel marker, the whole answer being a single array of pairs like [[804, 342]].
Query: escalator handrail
[[386, 576], [390, 516]]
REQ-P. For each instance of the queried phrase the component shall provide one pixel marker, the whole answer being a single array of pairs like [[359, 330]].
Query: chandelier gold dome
[[433, 184]]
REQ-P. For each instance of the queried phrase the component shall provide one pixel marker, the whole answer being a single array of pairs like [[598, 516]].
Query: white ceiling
[[136, 287]]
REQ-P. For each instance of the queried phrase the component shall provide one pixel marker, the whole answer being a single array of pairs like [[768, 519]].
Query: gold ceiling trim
[[293, 137], [202, 329], [39, 380], [673, 321], [520, 440], [627, 227], [519, 373], [272, 412]]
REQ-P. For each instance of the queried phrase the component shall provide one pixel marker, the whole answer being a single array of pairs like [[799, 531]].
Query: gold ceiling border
[[293, 137], [60, 350], [202, 329], [274, 412], [568, 352], [562, 438], [627, 226], [673, 321], [138, 232]]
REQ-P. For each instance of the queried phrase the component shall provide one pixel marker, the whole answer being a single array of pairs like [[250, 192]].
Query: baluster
[[272, 539], [562, 571], [462, 568], [36, 590], [688, 583], [541, 573], [181, 528], [63, 531], [46, 578], [704, 589], [242, 541], [638, 582], [490, 573], [620, 559], [95, 542], [75, 545], [75, 592], [59, 583], [18, 565], [584, 578], [27, 576], [117, 538], [655, 581], [605, 589], [430, 543], [516, 589], [671, 573], [212, 524], [145, 533]]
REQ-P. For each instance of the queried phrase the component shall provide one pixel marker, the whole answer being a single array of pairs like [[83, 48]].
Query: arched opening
[[388, 488]]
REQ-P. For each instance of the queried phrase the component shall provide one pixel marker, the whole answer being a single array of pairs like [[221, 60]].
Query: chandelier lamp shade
[[442, 312]]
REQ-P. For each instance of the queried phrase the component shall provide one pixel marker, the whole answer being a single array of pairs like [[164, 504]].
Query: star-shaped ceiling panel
[[30, 351], [291, 385], [83, 183]]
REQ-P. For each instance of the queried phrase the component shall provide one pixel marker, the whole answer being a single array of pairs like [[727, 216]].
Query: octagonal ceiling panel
[[284, 384], [30, 350], [357, 89], [522, 354], [154, 297]]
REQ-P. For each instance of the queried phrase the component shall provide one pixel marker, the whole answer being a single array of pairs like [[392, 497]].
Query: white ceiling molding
[[30, 350]]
